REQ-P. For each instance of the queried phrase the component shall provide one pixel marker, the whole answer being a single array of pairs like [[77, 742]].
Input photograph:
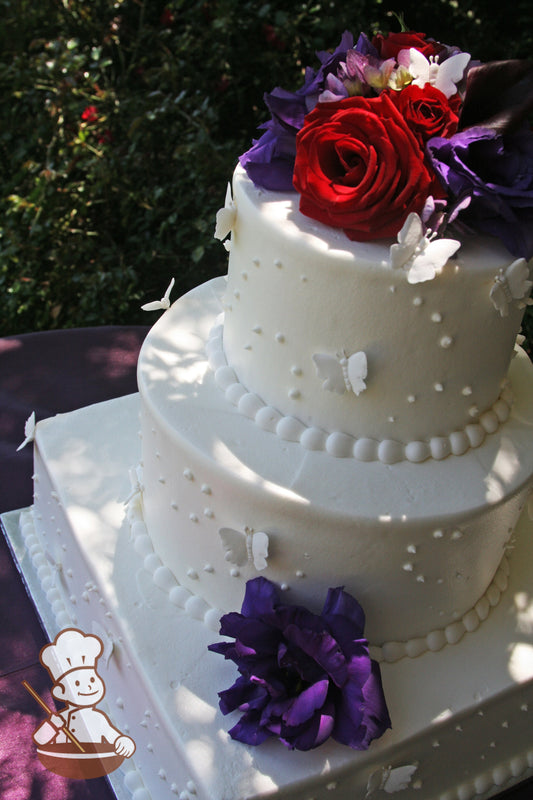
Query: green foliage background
[[99, 210]]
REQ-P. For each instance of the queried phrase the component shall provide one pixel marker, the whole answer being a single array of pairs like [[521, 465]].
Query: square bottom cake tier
[[461, 716]]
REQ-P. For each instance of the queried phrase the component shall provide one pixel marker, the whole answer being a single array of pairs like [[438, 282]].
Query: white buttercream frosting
[[297, 288], [418, 544]]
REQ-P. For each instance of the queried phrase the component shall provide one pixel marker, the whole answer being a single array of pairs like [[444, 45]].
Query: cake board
[[461, 717]]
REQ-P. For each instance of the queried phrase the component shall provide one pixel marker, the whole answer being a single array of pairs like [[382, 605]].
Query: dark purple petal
[[260, 598], [303, 678], [304, 706], [323, 649], [312, 734], [270, 161], [248, 731], [495, 174], [243, 695], [288, 107], [253, 635]]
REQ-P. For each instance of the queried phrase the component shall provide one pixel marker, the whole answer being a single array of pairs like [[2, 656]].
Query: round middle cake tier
[[225, 501]]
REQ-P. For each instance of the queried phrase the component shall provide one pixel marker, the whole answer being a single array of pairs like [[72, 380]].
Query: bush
[[122, 122]]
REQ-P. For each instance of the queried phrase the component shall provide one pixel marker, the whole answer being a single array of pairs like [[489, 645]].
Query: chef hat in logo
[[70, 650]]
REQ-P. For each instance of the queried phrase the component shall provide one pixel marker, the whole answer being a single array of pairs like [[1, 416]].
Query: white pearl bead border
[[389, 652], [343, 445], [196, 607]]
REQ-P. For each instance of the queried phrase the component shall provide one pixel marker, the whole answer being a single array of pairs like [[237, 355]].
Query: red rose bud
[[389, 46], [427, 111]]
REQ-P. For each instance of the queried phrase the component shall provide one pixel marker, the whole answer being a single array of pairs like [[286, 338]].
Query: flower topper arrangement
[[303, 677], [402, 125]]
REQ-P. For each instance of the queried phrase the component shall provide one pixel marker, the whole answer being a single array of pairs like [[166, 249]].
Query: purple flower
[[270, 160], [491, 177], [303, 677]]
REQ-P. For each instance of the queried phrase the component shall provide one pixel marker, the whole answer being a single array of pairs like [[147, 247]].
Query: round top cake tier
[[327, 331]]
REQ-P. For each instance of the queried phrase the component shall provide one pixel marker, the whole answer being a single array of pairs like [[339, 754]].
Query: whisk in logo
[[78, 741]]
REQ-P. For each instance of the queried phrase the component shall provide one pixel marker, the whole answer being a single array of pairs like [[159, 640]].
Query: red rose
[[358, 167], [427, 111], [389, 46]]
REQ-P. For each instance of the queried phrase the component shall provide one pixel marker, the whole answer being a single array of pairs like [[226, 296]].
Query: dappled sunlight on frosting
[[191, 708], [521, 662], [227, 457], [504, 469], [524, 611]]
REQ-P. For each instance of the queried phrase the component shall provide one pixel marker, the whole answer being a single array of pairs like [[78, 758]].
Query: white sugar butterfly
[[443, 76], [29, 431], [419, 252], [242, 547], [164, 303], [225, 219], [136, 483], [391, 779], [342, 373], [511, 286]]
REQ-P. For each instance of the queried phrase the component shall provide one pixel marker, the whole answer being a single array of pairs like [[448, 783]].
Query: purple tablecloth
[[50, 373], [47, 373]]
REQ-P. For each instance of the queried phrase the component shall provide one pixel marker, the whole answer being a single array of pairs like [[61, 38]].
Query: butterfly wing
[[357, 372], [399, 778], [499, 297], [225, 218], [234, 544], [260, 550], [330, 371], [450, 72], [430, 261], [408, 239], [517, 275], [419, 67], [29, 431], [166, 298]]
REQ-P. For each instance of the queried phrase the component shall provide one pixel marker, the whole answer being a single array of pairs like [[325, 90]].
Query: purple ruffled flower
[[491, 177], [270, 160], [303, 677]]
